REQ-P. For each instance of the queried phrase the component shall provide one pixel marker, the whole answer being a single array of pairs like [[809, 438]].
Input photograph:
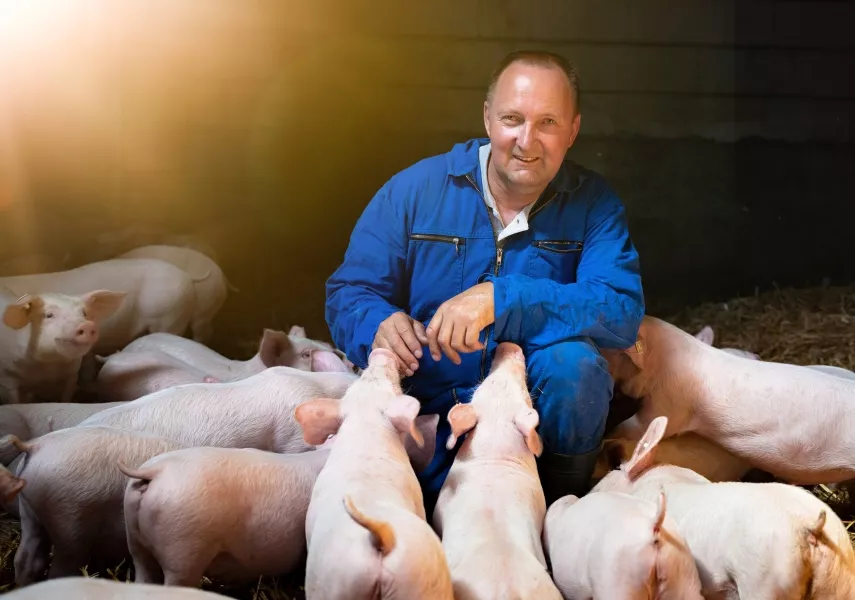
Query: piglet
[[491, 507], [256, 412], [763, 541], [613, 545], [90, 588], [27, 421], [795, 423], [688, 450], [276, 349], [210, 282], [73, 499], [256, 527], [10, 485], [707, 336], [126, 376], [160, 296], [366, 529], [832, 370], [43, 339]]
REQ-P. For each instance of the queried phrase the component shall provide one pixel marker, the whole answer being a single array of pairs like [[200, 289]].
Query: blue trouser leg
[[571, 389], [432, 478]]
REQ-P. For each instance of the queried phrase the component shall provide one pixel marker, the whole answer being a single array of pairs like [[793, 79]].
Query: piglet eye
[[307, 353], [85, 316], [48, 315]]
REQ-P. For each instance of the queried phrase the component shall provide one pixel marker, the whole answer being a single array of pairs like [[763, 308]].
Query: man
[[499, 239]]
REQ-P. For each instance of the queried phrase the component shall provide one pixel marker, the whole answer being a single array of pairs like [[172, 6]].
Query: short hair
[[540, 58]]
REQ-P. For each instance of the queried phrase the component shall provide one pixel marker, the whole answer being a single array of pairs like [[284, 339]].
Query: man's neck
[[508, 202]]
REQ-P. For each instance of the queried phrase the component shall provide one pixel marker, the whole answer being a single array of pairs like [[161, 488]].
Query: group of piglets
[[669, 489], [88, 480], [367, 531], [113, 330]]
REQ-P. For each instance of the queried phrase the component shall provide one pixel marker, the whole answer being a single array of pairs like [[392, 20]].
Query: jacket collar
[[463, 160]]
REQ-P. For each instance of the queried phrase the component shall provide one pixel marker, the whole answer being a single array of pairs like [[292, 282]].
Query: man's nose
[[526, 136]]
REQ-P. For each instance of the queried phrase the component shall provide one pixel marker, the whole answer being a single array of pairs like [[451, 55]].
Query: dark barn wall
[[264, 128]]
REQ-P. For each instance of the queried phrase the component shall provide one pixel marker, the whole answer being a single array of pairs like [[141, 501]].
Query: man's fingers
[[419, 330], [432, 332], [471, 339], [405, 331], [458, 338], [444, 339], [410, 364]]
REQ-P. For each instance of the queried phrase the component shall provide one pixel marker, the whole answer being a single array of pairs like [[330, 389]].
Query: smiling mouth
[[524, 160]]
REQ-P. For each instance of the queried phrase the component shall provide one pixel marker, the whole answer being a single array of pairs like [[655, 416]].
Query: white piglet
[[43, 339], [127, 376], [613, 545], [366, 529], [159, 296], [276, 349], [795, 423], [92, 588], [256, 412], [73, 499], [763, 541], [688, 450], [256, 527], [211, 285], [491, 507]]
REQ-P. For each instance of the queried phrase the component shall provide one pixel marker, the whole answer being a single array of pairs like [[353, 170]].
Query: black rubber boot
[[562, 474]]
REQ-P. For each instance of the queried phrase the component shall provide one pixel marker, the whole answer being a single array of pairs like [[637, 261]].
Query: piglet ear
[[402, 413], [276, 349], [297, 331], [526, 422], [462, 418], [706, 335], [319, 418], [642, 456], [420, 456], [19, 314], [102, 304]]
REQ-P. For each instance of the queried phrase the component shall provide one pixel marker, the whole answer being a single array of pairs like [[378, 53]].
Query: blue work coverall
[[565, 288]]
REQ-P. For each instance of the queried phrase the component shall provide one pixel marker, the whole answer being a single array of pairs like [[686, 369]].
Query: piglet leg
[[33, 554]]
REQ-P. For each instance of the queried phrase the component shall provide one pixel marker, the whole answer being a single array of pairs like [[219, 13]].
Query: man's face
[[531, 122]]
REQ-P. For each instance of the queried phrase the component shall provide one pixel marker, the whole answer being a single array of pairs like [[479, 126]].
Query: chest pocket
[[436, 267], [555, 259]]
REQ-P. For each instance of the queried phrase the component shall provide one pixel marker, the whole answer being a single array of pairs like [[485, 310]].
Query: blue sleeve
[[368, 286], [606, 303]]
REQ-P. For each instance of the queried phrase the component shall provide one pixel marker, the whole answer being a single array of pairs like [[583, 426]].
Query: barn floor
[[809, 326]]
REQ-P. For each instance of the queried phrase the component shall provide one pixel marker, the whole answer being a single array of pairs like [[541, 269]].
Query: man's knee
[[571, 389], [577, 367]]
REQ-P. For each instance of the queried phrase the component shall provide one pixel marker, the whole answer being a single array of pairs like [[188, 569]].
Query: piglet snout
[[508, 351], [324, 360], [86, 333], [381, 356]]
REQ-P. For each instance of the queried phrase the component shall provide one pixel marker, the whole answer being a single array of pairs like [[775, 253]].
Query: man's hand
[[458, 322], [404, 336]]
